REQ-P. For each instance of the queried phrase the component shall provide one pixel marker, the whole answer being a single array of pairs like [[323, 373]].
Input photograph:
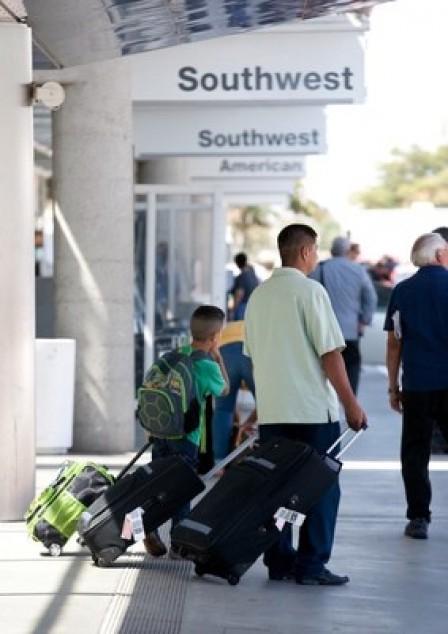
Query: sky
[[407, 101]]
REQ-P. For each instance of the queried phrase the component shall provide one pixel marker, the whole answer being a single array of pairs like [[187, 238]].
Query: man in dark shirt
[[243, 286], [416, 321]]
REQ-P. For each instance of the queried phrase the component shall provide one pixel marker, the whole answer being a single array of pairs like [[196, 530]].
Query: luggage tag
[[133, 525], [284, 515]]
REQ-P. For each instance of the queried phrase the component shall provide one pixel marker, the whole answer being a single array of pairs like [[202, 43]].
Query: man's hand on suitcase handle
[[356, 416]]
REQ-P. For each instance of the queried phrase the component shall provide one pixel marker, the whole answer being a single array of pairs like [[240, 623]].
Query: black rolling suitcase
[[158, 489], [234, 523]]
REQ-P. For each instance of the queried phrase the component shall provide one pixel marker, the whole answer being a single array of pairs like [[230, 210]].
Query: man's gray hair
[[340, 246], [424, 249]]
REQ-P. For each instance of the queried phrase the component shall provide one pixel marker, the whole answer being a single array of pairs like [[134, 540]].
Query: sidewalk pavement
[[397, 585]]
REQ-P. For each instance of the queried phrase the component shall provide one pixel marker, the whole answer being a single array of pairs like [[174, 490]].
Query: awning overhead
[[77, 32]]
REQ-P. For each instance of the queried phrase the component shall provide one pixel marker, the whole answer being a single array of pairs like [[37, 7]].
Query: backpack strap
[[198, 355]]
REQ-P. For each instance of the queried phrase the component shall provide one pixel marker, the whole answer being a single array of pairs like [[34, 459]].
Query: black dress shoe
[[417, 528], [324, 578]]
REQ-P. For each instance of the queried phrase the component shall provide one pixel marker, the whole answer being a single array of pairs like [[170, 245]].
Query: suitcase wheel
[[55, 550], [233, 580], [199, 570], [101, 563]]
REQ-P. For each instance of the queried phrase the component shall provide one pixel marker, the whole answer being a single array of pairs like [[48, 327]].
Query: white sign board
[[259, 66], [228, 130], [246, 168], [256, 187]]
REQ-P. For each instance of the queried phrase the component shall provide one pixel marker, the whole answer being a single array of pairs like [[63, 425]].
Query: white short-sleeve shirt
[[289, 325]]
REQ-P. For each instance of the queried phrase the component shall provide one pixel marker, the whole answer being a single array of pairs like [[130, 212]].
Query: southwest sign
[[246, 168], [306, 67], [228, 130]]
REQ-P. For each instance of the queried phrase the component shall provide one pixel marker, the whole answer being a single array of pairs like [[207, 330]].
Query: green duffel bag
[[53, 515]]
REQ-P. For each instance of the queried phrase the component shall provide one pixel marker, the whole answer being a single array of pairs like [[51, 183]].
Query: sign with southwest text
[[263, 66], [228, 130]]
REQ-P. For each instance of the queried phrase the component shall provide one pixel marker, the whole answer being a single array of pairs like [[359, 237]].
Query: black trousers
[[420, 411], [352, 360]]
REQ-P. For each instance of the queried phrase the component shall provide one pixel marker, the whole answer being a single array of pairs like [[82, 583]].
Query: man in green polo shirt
[[295, 343]]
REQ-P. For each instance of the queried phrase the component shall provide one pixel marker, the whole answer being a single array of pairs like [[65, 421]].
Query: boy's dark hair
[[206, 321], [442, 231], [240, 260], [291, 239]]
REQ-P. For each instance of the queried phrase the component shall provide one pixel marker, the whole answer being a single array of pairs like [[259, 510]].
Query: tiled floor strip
[[150, 596]]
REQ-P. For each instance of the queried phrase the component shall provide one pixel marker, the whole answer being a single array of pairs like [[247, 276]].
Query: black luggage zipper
[[124, 501], [56, 494]]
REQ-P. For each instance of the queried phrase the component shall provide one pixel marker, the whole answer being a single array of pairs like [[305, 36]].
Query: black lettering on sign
[[253, 138], [230, 85], [288, 80], [261, 76], [220, 140], [312, 81], [205, 139], [331, 81], [247, 75], [209, 81], [258, 79], [225, 166], [347, 74], [187, 75]]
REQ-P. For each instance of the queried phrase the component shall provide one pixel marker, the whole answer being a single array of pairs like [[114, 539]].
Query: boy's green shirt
[[209, 381]]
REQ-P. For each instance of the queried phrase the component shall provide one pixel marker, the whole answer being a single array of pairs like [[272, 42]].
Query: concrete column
[[17, 435], [93, 177]]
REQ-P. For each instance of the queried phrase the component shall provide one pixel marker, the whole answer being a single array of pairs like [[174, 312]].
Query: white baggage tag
[[135, 518], [284, 515], [126, 529]]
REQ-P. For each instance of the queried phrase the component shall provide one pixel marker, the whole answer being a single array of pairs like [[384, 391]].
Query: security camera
[[50, 94]]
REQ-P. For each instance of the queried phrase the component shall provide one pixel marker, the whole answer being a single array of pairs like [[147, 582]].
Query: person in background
[[416, 323], [243, 286], [353, 298], [442, 231], [354, 252], [239, 368], [294, 340]]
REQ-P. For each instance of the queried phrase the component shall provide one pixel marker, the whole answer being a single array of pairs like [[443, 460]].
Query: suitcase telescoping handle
[[125, 469], [231, 456], [341, 452]]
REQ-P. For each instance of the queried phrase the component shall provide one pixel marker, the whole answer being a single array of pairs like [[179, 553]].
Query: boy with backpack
[[209, 378]]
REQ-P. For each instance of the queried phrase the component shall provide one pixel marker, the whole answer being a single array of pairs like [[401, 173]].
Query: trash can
[[55, 389]]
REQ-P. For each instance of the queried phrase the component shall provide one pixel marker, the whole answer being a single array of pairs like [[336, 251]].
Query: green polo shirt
[[290, 324]]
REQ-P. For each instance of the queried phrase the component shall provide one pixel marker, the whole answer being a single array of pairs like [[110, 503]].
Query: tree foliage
[[251, 226], [414, 175], [327, 225], [255, 227]]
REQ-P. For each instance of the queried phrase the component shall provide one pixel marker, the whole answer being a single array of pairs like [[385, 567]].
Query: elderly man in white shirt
[[295, 343]]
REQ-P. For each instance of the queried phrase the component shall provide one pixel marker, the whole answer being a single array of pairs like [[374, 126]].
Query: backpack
[[168, 406]]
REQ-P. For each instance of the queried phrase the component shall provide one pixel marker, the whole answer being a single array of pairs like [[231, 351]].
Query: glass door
[[179, 264]]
